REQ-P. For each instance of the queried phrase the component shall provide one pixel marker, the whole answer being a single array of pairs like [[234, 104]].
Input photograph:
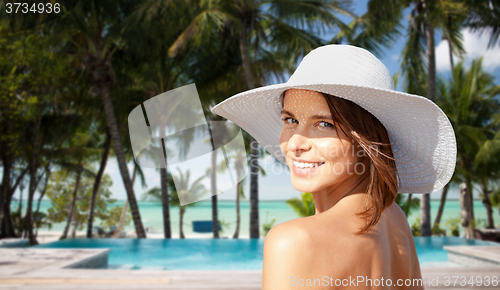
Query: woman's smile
[[304, 168], [320, 156]]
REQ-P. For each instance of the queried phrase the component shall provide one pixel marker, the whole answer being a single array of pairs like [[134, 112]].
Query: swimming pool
[[221, 254]]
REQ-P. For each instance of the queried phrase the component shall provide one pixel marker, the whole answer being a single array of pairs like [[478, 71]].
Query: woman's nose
[[299, 142]]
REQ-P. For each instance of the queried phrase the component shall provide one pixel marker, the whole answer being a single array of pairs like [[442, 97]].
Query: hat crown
[[343, 65]]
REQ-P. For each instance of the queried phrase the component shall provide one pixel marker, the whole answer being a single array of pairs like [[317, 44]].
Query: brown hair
[[366, 130]]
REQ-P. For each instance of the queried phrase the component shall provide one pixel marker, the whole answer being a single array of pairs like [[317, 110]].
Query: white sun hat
[[422, 138]]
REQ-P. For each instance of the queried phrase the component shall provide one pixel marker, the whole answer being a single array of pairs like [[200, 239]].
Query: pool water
[[223, 254], [175, 254]]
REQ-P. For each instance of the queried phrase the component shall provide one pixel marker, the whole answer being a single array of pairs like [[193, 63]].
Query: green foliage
[[470, 101], [415, 228], [402, 201], [304, 206], [483, 16], [46, 74], [438, 231], [60, 191], [224, 225], [478, 223], [266, 227], [113, 217], [39, 221], [454, 225], [495, 198]]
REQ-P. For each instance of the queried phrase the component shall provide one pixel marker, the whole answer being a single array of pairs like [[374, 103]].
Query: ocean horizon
[[152, 216]]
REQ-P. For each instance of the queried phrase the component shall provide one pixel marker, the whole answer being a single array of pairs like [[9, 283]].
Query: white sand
[[51, 236]]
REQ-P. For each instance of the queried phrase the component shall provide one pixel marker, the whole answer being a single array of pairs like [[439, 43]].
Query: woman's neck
[[348, 190]]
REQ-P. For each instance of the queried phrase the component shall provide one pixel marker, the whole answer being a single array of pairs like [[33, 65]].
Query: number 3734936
[[25, 8]]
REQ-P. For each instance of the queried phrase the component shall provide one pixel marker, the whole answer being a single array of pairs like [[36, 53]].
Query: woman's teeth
[[306, 165]]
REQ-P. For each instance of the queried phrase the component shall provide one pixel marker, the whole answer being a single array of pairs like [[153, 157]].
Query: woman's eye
[[286, 120], [327, 125]]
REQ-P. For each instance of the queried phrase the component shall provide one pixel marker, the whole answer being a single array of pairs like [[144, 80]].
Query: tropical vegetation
[[67, 87]]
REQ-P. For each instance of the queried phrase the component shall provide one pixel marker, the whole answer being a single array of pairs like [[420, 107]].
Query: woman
[[354, 143]]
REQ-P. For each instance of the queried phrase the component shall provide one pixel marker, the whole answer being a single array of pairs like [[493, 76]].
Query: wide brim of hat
[[422, 138]]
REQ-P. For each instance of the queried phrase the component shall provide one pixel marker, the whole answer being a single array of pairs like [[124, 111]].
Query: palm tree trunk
[[245, 59], [425, 205], [181, 219], [254, 157], [425, 215], [489, 210], [75, 225], [5, 231], [122, 163], [165, 204], [2, 200], [465, 210], [254, 191], [431, 58], [451, 56], [441, 205], [213, 181], [408, 203], [238, 216], [72, 207], [470, 191], [32, 187], [97, 183], [5, 198], [123, 216], [20, 208]]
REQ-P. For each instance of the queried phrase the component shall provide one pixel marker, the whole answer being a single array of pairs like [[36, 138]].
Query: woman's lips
[[306, 171]]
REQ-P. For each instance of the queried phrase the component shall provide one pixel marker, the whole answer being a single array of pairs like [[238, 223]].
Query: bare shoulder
[[287, 253], [404, 241], [396, 210], [287, 238]]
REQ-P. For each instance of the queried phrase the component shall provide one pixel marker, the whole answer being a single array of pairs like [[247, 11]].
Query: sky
[[277, 185]]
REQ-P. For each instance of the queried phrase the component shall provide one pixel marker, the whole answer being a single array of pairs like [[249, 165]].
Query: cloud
[[475, 45]]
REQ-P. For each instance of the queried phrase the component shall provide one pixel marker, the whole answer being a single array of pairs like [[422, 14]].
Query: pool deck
[[30, 268], [486, 256]]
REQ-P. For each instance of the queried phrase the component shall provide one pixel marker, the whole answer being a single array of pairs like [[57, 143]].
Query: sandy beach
[[52, 236]]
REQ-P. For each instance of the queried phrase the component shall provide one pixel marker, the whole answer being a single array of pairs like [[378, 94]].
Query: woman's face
[[308, 135]]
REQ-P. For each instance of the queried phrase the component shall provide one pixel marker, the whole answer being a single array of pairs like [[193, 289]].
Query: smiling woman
[[354, 143], [342, 154], [354, 146]]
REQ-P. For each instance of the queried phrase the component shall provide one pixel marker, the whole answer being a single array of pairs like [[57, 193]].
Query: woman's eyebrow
[[312, 117], [321, 117]]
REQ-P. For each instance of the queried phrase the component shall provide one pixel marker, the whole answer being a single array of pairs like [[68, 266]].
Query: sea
[[279, 211]]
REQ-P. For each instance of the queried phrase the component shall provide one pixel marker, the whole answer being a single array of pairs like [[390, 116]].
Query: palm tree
[[98, 24], [487, 159], [239, 158], [483, 16], [469, 102], [304, 206], [487, 166], [495, 199], [165, 20], [283, 24], [409, 205], [81, 152], [123, 216], [184, 187], [376, 29], [95, 190], [425, 17]]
